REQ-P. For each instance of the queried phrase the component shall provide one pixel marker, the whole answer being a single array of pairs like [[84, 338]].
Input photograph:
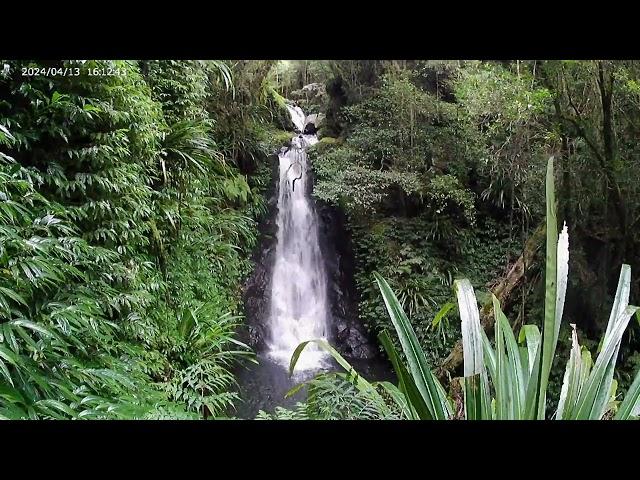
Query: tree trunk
[[605, 84], [565, 154]]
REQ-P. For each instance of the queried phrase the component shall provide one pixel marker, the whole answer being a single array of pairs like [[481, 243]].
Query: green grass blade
[[630, 406], [418, 363], [556, 272], [442, 313], [405, 381]]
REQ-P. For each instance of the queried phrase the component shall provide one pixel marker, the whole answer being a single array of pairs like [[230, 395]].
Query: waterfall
[[297, 116], [299, 309]]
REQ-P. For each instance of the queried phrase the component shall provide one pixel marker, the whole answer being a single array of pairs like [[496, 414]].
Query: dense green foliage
[[519, 374], [124, 236], [440, 165], [129, 205], [404, 174]]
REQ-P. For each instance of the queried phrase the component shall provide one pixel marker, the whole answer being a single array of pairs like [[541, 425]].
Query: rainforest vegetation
[[491, 208]]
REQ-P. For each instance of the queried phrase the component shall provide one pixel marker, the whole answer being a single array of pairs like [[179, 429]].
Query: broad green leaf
[[5, 372], [11, 394], [50, 403], [187, 322], [22, 322], [13, 296], [9, 356], [5, 130]]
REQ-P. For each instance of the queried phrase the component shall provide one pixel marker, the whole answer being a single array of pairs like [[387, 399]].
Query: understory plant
[[124, 233], [507, 378]]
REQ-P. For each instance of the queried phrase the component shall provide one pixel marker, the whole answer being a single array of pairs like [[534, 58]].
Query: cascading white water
[[299, 283], [297, 116]]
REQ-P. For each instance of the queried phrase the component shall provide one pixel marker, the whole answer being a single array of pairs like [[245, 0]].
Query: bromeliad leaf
[[418, 363]]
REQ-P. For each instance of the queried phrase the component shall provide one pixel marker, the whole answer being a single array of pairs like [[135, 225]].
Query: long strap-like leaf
[[549, 335], [510, 387], [595, 394], [476, 383], [405, 381], [418, 363], [630, 406]]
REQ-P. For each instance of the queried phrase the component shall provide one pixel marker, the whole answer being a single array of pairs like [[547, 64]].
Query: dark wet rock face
[[310, 129], [313, 123], [255, 330], [353, 341], [256, 304], [350, 337]]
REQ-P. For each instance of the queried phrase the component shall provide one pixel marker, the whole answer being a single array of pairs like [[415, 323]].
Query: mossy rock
[[276, 139], [283, 138], [327, 143], [327, 131], [330, 141]]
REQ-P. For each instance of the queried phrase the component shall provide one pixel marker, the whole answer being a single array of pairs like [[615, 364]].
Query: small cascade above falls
[[297, 116]]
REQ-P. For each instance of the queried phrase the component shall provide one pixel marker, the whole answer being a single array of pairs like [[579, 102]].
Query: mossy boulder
[[276, 139], [326, 143]]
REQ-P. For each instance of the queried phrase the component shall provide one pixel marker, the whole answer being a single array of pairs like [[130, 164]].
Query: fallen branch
[[502, 291]]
